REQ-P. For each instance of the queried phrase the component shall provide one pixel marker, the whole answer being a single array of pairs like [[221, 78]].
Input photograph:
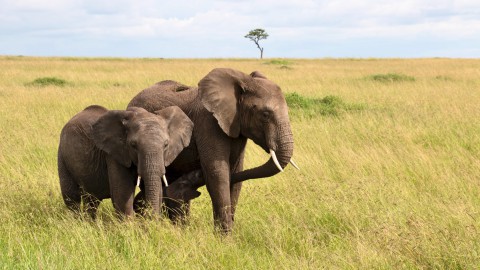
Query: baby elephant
[[176, 196], [102, 152]]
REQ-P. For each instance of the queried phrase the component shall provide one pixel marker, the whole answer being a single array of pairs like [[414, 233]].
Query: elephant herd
[[171, 140]]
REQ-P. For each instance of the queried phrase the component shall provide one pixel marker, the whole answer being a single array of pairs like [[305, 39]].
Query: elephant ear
[[110, 135], [219, 92], [179, 128], [257, 74]]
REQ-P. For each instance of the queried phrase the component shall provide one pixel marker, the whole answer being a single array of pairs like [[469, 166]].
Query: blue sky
[[214, 28]]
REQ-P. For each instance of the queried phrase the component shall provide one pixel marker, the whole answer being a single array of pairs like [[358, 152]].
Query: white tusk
[[165, 180], [138, 180], [294, 164], [275, 160]]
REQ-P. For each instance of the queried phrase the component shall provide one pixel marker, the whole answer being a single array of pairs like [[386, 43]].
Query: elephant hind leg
[[70, 189]]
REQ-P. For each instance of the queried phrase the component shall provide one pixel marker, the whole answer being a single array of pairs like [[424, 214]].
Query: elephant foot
[[223, 230], [223, 224]]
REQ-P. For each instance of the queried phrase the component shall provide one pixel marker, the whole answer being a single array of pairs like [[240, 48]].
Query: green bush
[[392, 77], [328, 106], [45, 81], [281, 62], [443, 78]]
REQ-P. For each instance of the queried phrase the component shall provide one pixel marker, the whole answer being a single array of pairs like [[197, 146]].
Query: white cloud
[[23, 6], [219, 25]]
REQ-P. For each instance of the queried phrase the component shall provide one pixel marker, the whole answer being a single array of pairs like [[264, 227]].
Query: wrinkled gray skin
[[227, 108], [102, 152]]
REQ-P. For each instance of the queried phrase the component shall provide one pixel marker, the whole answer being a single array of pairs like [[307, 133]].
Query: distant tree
[[256, 35]]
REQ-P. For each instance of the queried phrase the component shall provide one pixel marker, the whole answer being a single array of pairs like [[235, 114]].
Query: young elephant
[[102, 152], [179, 194], [176, 196]]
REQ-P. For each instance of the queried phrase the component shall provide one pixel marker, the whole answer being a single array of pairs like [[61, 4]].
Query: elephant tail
[[70, 189]]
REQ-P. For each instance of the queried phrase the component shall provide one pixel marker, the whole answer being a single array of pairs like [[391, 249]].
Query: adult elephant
[[101, 153], [227, 108]]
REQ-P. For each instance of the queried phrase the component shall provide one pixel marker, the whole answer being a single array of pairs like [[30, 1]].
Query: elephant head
[[254, 107], [150, 141], [180, 192]]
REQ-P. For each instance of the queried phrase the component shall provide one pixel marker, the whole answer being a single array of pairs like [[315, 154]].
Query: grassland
[[389, 151]]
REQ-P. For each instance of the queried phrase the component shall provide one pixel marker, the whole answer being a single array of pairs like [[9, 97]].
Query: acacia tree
[[256, 35]]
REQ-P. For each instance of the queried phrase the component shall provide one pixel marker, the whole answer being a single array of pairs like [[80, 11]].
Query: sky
[[217, 29]]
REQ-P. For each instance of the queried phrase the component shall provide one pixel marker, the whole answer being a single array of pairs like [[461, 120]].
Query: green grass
[[389, 173], [327, 106], [45, 81], [281, 62]]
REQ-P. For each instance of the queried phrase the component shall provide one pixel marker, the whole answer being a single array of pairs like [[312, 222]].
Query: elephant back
[[169, 85], [161, 95]]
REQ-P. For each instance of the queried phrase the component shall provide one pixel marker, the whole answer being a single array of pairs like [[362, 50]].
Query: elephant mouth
[[282, 144], [275, 160], [164, 179], [281, 152]]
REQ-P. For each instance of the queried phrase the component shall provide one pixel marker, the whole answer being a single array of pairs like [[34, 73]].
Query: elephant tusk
[[294, 164], [165, 180], [138, 180], [275, 160]]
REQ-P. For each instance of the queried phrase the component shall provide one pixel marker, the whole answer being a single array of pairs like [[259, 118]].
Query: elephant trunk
[[152, 172], [282, 154]]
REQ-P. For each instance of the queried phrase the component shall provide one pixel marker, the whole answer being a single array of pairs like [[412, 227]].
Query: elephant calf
[[101, 153], [176, 196]]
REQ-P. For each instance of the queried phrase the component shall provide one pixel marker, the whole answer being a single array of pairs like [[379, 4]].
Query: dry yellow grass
[[393, 185]]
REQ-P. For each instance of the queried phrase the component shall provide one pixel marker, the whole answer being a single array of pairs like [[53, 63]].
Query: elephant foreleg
[[217, 177], [122, 187], [214, 149], [237, 156], [219, 189]]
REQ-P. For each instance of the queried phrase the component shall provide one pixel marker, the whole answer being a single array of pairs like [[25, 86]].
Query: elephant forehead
[[269, 90], [148, 127], [274, 101], [268, 101], [267, 85]]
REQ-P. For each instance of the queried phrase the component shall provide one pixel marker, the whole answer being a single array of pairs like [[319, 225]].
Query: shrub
[[278, 62], [443, 78], [286, 67], [45, 81], [328, 106], [392, 77]]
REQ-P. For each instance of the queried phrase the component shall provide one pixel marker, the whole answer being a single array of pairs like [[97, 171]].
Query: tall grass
[[393, 183]]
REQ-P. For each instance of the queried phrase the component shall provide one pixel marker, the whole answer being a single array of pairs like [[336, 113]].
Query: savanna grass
[[393, 184]]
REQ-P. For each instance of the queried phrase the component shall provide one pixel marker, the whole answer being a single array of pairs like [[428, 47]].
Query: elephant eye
[[165, 143], [265, 115], [133, 144]]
